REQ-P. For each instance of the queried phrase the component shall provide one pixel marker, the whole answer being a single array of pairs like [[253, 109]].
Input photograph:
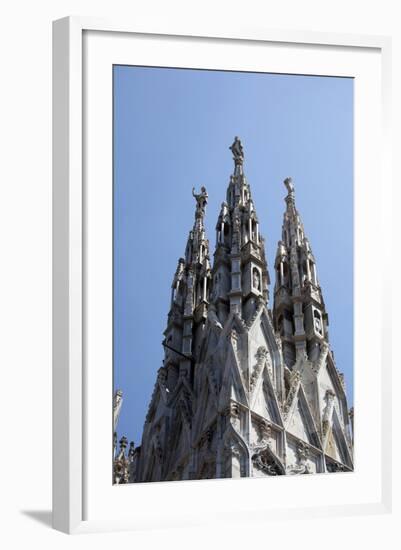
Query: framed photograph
[[218, 320]]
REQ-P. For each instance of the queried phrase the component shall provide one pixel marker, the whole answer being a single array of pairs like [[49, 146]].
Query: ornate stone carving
[[236, 229], [324, 350], [256, 279], [264, 459], [303, 453], [329, 398], [121, 464], [318, 325], [234, 339], [261, 357], [234, 415], [289, 185], [237, 151], [117, 403], [333, 467], [232, 450], [118, 396], [261, 354], [201, 201], [264, 434], [294, 384]]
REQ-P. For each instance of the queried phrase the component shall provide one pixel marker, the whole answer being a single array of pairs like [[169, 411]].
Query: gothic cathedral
[[244, 390]]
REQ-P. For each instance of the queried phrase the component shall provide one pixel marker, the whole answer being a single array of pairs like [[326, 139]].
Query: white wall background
[[25, 275]]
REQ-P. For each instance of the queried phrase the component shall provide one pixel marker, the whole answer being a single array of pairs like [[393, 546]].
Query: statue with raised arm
[[201, 200], [237, 150], [289, 185]]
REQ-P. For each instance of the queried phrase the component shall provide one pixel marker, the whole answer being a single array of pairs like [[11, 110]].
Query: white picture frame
[[72, 333]]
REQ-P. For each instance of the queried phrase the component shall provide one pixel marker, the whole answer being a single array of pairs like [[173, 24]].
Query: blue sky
[[172, 130]]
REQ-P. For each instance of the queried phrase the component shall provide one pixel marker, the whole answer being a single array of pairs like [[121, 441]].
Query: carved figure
[[256, 279], [289, 185], [201, 200], [237, 150]]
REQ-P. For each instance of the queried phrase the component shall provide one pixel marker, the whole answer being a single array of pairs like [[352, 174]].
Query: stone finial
[[237, 151], [289, 185], [201, 201]]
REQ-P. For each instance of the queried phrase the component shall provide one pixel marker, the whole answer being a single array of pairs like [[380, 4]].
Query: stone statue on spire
[[289, 185], [237, 151], [201, 201]]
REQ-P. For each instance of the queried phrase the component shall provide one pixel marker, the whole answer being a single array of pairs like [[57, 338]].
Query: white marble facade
[[245, 390]]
